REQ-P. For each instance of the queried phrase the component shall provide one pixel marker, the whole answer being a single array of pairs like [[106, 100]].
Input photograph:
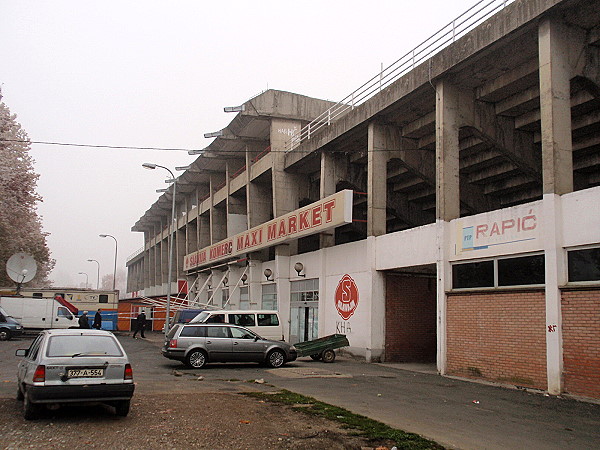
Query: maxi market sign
[[328, 213]]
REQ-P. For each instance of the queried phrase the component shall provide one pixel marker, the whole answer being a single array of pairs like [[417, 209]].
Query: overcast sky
[[158, 74]]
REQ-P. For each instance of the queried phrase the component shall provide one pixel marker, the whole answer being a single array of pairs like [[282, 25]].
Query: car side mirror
[[21, 352], [255, 338]]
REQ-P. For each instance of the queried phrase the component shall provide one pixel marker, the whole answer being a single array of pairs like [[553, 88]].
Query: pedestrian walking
[[83, 321], [140, 324], [97, 320]]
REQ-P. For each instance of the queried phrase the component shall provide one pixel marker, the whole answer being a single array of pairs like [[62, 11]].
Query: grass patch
[[361, 425]]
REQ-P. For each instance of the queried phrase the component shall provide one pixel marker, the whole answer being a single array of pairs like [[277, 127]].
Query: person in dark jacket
[[83, 320], [140, 324], [97, 320]]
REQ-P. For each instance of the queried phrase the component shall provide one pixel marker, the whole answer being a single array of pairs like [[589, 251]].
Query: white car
[[63, 367]]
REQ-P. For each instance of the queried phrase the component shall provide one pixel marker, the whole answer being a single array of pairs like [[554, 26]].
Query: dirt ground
[[215, 421]]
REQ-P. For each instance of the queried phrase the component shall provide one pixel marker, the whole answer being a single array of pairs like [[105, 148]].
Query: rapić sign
[[317, 217]]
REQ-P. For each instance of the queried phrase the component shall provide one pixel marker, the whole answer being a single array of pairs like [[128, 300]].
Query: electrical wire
[[124, 147]]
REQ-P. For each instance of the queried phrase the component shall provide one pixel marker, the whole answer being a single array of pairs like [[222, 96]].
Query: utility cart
[[322, 348]]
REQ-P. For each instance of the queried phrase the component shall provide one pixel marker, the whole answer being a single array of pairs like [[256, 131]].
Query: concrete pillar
[[218, 214], [447, 151], [555, 107], [179, 255], [382, 139], [255, 278], [555, 273], [204, 239], [282, 280], [191, 236], [287, 188], [333, 170]]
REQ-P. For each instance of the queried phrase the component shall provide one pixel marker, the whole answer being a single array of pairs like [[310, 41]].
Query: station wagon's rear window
[[79, 346]]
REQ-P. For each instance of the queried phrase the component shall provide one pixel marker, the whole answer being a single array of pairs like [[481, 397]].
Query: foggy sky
[[158, 74]]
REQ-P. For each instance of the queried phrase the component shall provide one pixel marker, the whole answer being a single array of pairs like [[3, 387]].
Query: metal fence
[[426, 49]]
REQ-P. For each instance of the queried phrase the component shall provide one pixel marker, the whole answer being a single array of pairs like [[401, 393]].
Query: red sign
[[346, 297]]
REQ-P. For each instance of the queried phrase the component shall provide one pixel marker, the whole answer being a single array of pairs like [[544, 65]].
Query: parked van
[[265, 323], [9, 327], [40, 313]]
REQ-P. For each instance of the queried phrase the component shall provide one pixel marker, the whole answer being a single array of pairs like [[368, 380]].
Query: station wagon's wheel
[[328, 356], [122, 407], [4, 334], [316, 357], [30, 410], [196, 359], [276, 358]]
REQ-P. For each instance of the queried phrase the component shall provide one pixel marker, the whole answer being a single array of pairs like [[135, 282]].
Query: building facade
[[450, 215]]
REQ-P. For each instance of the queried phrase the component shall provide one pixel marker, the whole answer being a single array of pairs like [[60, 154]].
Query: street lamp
[[86, 278], [97, 279], [116, 246], [152, 166]]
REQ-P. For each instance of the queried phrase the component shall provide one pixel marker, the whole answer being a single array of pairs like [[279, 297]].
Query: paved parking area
[[455, 413]]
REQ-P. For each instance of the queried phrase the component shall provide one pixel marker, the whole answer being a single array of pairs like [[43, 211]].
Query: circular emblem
[[346, 297]]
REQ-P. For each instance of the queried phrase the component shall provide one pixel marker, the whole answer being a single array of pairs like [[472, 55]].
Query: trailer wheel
[[328, 356]]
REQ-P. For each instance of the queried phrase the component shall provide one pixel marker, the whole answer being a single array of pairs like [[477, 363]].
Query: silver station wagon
[[74, 366], [200, 343]]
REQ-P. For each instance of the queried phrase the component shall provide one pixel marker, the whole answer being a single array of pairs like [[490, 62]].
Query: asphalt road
[[455, 413]]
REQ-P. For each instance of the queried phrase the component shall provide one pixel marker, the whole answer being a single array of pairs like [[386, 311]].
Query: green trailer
[[322, 348]]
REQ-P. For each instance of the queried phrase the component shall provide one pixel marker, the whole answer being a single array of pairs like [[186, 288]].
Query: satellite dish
[[21, 267]]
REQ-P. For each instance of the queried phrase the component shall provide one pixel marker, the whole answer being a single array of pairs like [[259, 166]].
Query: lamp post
[[86, 278], [116, 247], [98, 278], [152, 166]]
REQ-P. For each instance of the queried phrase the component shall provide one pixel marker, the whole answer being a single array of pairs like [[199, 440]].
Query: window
[[521, 271], [244, 320], [193, 332], [217, 318], [82, 345], [584, 264], [244, 298], [267, 320], [217, 332], [473, 275], [63, 312], [37, 295], [34, 348], [499, 272], [238, 333], [269, 296], [103, 298], [224, 298], [305, 290]]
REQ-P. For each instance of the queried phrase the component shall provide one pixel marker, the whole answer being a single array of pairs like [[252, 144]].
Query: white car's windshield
[[74, 346]]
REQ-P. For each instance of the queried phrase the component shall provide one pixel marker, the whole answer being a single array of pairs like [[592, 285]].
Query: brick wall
[[581, 342], [410, 319], [498, 336]]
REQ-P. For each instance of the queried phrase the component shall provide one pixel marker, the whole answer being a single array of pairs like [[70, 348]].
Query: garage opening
[[410, 319]]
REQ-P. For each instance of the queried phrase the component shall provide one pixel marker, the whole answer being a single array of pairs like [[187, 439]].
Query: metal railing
[[134, 254], [426, 49]]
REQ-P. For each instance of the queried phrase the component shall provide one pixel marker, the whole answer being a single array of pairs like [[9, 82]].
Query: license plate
[[85, 373]]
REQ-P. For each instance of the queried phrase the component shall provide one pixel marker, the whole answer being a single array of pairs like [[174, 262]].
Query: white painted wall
[[581, 217], [406, 248]]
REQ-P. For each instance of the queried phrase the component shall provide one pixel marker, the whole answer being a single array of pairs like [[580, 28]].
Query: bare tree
[[20, 225]]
